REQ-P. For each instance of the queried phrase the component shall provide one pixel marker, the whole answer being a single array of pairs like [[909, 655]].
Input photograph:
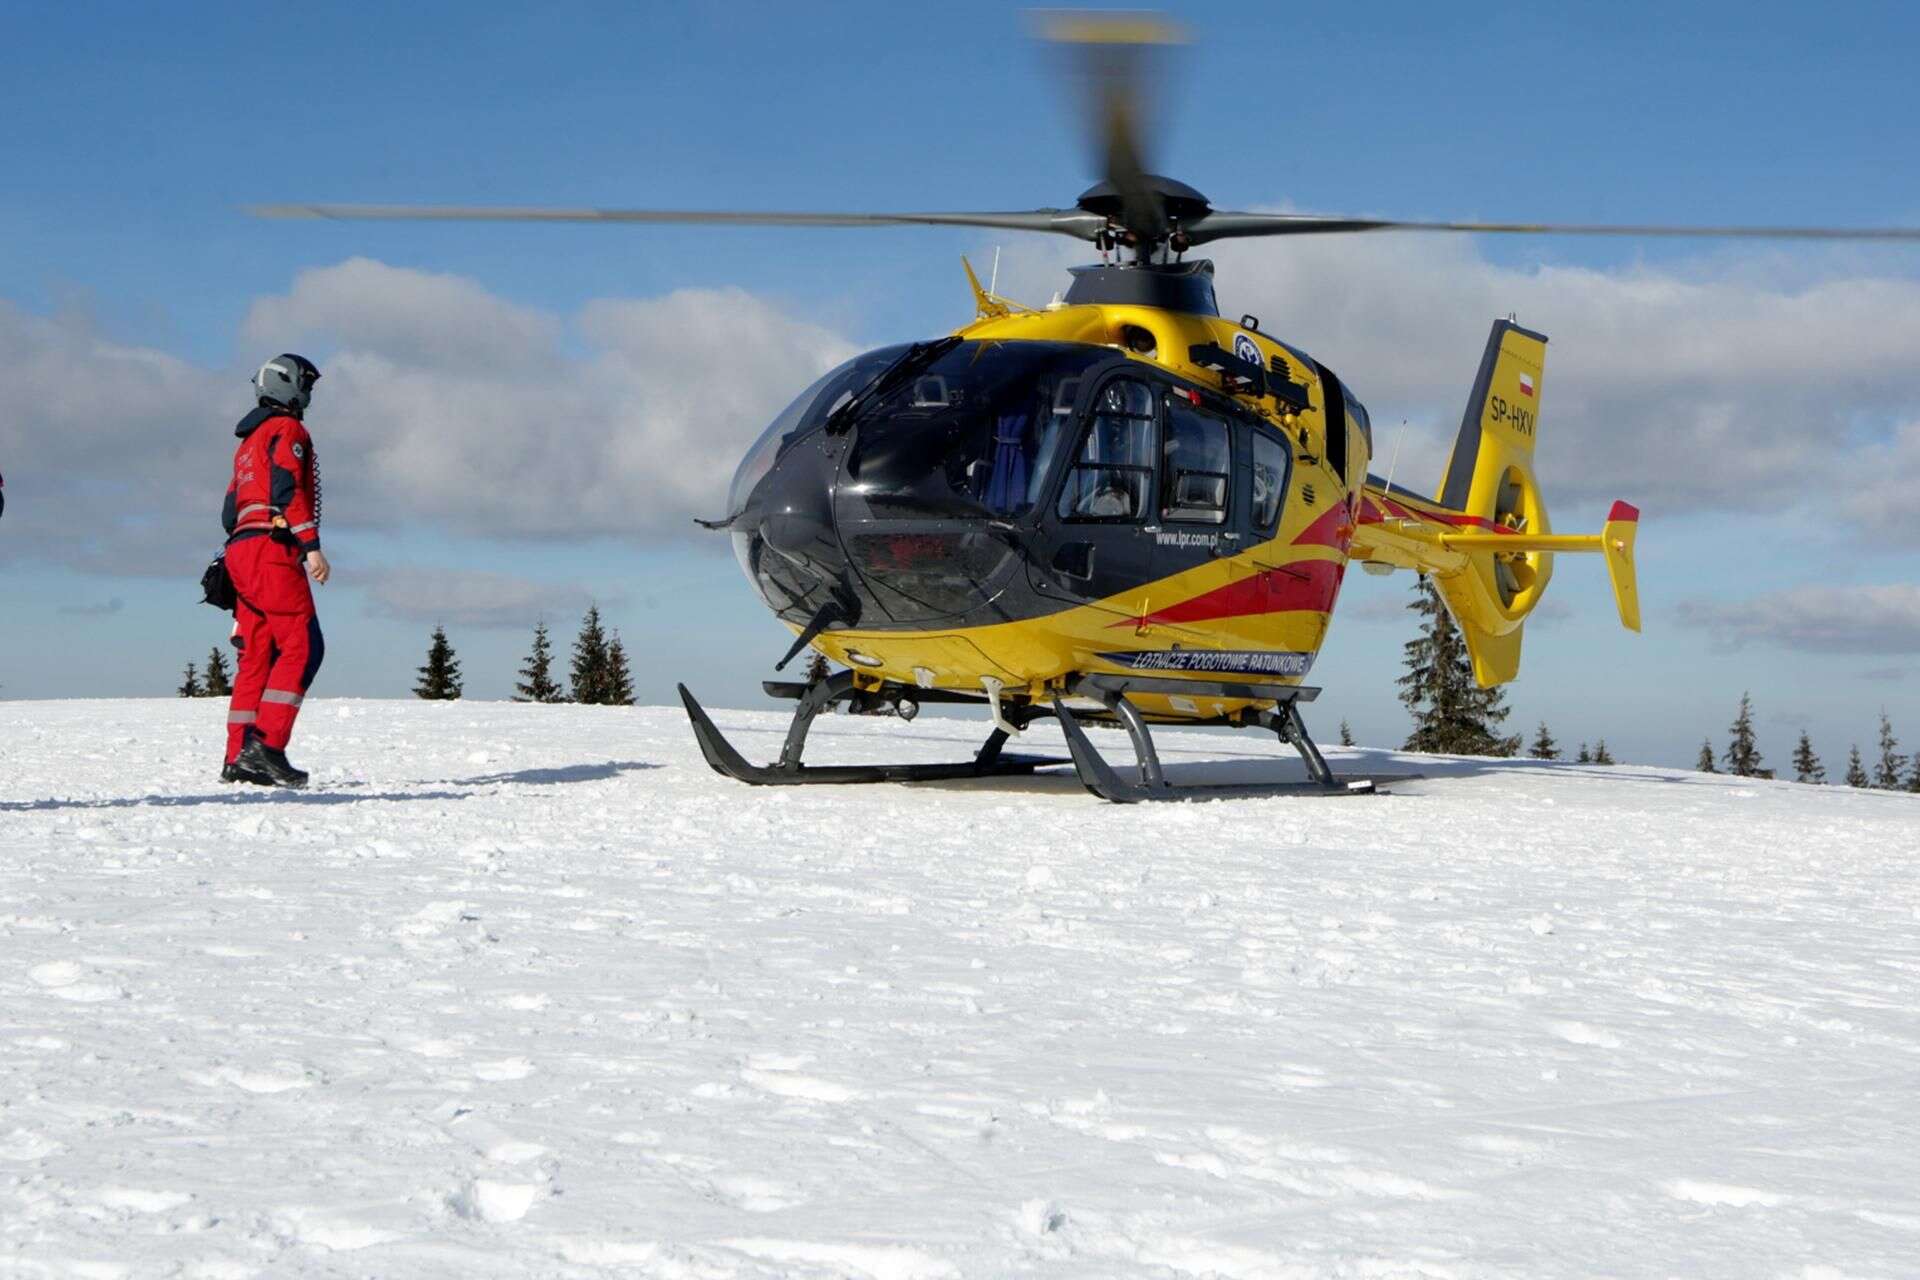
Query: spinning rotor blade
[[1072, 222], [1118, 60], [1225, 226]]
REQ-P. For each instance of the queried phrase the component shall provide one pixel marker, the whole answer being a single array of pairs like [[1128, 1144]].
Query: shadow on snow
[[346, 792]]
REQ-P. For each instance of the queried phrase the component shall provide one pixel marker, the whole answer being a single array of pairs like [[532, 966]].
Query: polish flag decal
[[1526, 384]]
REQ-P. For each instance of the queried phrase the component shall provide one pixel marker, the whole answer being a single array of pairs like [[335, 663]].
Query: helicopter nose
[[785, 538]]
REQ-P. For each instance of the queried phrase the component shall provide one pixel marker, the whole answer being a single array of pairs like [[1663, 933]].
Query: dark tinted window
[[1270, 461], [976, 434], [808, 410], [1335, 417], [1198, 473], [1112, 473], [1357, 414]]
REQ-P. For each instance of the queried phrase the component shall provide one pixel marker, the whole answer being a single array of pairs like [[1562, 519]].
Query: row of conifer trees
[[600, 673], [1891, 772]]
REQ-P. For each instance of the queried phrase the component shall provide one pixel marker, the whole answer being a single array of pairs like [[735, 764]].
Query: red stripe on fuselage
[[1333, 529], [1304, 584]]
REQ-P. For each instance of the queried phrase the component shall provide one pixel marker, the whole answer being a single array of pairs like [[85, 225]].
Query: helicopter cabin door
[[1146, 495]]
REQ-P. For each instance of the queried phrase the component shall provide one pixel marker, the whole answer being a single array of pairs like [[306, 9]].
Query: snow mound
[[522, 990]]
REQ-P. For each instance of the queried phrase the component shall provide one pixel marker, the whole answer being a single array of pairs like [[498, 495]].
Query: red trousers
[[280, 642]]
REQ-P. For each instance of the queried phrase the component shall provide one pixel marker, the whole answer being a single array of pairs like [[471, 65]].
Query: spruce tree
[[619, 678], [1585, 756], [1705, 763], [1913, 779], [590, 660], [1346, 734], [190, 687], [1544, 747], [1886, 774], [1806, 765], [1743, 754], [817, 668], [440, 678], [1600, 755], [536, 678], [1856, 772], [218, 683], [1451, 712]]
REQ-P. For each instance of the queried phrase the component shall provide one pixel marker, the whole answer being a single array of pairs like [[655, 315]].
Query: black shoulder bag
[[216, 587]]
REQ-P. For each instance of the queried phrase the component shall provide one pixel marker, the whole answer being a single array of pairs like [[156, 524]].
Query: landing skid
[[1149, 783], [1099, 777], [788, 771]]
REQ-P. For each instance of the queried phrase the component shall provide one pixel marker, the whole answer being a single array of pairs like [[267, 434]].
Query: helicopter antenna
[[993, 280], [1398, 439]]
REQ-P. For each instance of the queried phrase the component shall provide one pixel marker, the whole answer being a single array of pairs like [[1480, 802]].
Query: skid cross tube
[[790, 770], [1103, 780]]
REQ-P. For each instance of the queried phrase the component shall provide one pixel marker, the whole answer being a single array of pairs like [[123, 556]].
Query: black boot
[[232, 772], [270, 763]]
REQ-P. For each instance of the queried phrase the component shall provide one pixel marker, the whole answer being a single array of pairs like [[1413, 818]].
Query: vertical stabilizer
[[1490, 480]]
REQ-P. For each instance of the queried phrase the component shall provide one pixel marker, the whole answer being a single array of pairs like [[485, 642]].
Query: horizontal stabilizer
[[1614, 541]]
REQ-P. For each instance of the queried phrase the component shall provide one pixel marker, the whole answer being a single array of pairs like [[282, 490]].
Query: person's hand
[[317, 566]]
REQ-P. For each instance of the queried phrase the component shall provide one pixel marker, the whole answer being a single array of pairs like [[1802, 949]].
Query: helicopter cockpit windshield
[[809, 410], [973, 436]]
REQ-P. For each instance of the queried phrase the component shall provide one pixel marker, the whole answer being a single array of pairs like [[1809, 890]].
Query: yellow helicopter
[[1122, 507]]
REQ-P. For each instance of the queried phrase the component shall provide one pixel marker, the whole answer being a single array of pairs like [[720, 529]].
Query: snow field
[[529, 991]]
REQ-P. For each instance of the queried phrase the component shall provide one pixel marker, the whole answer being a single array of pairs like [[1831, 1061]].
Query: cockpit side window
[[1199, 465], [1111, 478], [1270, 462]]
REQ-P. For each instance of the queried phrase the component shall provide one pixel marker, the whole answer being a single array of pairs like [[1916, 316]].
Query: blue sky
[[135, 135]]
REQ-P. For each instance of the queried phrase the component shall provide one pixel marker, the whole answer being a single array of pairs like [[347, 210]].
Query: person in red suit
[[272, 518]]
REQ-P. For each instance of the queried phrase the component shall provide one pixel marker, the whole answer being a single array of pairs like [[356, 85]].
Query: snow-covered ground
[[528, 991]]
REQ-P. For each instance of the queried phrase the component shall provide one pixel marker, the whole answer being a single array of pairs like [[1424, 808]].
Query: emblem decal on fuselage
[[1247, 349], [1262, 662]]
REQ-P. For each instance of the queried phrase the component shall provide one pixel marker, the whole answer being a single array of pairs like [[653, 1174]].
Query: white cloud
[[1870, 619], [416, 318], [115, 455], [443, 404], [1884, 481], [472, 598], [440, 405]]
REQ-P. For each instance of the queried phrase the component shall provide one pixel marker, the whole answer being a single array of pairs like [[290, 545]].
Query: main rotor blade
[[1226, 225], [1118, 59], [1070, 222]]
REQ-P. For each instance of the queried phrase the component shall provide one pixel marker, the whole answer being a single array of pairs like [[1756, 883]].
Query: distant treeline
[[1453, 715], [600, 673]]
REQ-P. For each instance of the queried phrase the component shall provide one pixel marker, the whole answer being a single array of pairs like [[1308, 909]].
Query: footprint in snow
[[1584, 1033], [505, 1069], [283, 1078], [789, 1085], [1720, 1193], [23, 1145], [485, 1200], [63, 978], [138, 1200]]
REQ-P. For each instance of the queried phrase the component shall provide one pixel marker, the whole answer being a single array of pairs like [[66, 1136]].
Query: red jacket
[[273, 476]]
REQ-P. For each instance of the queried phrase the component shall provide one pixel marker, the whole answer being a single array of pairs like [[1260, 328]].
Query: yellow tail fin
[[1502, 542]]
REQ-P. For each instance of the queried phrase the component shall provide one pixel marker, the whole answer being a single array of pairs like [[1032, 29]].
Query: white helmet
[[286, 380]]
